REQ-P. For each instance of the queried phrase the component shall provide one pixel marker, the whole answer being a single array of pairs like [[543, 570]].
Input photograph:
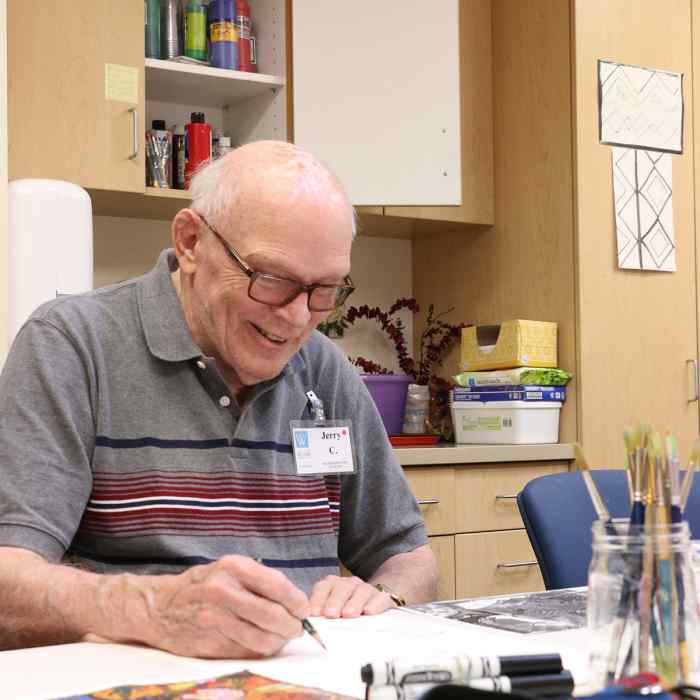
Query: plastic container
[[416, 412], [171, 28], [223, 34], [197, 145], [389, 394], [196, 30], [178, 160], [151, 10], [244, 25], [506, 422]]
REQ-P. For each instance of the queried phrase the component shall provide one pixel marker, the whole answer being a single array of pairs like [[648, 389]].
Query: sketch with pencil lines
[[545, 611], [640, 107], [643, 192]]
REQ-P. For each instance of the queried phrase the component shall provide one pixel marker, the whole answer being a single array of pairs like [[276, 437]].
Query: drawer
[[485, 495], [434, 487], [444, 549], [491, 563]]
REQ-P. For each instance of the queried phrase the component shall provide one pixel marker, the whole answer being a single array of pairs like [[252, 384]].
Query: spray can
[[197, 145], [158, 145], [223, 34], [170, 28], [196, 30], [178, 159], [244, 21], [151, 11]]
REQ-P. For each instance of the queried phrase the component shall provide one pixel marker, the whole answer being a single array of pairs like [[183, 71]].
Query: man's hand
[[347, 596], [232, 608]]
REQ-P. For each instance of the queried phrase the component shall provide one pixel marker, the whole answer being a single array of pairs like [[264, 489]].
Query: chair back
[[558, 515]]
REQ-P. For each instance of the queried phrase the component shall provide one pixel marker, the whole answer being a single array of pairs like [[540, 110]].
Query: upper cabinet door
[[71, 117], [376, 97]]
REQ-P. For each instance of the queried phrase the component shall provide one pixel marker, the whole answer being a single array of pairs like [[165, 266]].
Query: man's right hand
[[231, 608]]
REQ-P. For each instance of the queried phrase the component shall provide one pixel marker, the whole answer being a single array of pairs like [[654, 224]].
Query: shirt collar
[[167, 335]]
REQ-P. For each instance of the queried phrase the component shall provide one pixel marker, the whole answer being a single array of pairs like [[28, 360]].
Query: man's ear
[[185, 232]]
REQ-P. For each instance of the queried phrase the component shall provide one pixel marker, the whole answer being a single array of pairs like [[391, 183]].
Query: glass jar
[[416, 411], [642, 604]]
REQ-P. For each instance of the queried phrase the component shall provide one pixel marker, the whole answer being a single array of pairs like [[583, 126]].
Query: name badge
[[322, 447]]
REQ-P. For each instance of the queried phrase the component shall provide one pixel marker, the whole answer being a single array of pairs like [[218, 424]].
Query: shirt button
[[225, 401], [201, 364]]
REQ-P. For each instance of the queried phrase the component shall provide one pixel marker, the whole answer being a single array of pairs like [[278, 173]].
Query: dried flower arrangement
[[436, 340]]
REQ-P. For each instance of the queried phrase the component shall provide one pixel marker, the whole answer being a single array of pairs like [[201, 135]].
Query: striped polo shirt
[[121, 447]]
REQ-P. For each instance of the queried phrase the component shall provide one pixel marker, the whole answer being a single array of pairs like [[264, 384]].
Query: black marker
[[548, 685], [457, 669]]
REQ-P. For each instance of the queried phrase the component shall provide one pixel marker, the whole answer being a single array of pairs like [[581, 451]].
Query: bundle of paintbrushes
[[642, 605]]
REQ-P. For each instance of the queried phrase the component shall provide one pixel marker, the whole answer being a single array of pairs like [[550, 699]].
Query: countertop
[[449, 453]]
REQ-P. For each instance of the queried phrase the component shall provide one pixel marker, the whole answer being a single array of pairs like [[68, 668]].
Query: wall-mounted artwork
[[642, 188], [640, 107]]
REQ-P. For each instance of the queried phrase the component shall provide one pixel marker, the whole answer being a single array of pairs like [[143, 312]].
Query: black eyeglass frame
[[344, 291]]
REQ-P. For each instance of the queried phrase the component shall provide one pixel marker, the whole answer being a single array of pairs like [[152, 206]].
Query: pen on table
[[554, 685], [305, 622], [457, 668]]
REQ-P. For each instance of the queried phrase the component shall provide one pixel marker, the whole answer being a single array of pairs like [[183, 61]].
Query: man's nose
[[297, 311]]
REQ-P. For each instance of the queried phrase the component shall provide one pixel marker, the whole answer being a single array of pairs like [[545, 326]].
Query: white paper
[[640, 107], [642, 188]]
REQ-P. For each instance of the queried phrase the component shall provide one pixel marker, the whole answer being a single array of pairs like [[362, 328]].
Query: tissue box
[[516, 343]]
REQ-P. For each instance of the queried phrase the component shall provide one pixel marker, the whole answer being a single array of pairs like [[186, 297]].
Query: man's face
[[302, 240]]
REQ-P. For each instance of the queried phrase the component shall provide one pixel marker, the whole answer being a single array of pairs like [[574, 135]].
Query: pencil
[[306, 624]]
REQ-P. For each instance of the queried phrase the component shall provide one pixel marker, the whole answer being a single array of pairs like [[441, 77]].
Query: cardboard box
[[516, 343]]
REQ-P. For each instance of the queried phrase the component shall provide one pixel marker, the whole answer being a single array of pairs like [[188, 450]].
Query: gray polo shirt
[[121, 446]]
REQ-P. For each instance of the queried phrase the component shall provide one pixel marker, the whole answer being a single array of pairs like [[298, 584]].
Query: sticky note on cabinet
[[121, 83]]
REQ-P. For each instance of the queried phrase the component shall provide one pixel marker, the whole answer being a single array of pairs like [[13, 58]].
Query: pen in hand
[[305, 622]]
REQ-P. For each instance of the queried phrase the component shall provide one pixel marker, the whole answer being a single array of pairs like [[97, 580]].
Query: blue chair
[[558, 515]]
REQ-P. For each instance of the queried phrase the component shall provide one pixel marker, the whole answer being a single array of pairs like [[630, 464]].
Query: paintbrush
[[581, 465], [665, 593], [693, 462]]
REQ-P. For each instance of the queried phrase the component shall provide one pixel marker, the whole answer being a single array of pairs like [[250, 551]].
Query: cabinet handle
[[695, 387], [506, 497], [516, 564], [429, 502], [135, 124]]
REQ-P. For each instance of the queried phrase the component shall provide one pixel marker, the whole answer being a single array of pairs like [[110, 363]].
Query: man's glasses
[[279, 291]]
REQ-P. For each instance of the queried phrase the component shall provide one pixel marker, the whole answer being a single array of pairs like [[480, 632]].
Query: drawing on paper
[[640, 107], [642, 188], [545, 611], [238, 686]]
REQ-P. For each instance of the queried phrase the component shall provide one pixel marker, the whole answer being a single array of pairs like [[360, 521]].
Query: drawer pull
[[507, 497], [429, 502], [516, 564]]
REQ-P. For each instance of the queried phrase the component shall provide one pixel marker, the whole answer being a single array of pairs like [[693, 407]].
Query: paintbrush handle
[[598, 503]]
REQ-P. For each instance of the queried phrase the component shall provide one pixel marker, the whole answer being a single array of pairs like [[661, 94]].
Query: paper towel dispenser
[[49, 246]]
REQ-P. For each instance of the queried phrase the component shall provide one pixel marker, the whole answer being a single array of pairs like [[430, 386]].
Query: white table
[[56, 671]]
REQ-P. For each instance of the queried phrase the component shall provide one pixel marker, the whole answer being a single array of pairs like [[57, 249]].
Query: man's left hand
[[347, 596]]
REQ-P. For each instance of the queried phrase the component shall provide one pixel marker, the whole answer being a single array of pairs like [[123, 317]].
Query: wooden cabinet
[[626, 335], [64, 124], [81, 96], [474, 526], [399, 123], [61, 122]]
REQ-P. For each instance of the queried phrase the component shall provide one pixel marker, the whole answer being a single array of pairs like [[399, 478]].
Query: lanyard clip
[[315, 406]]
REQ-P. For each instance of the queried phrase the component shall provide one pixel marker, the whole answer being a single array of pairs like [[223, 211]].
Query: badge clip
[[315, 407]]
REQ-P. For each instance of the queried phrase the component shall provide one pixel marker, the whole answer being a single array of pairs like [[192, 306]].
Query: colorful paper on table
[[238, 686]]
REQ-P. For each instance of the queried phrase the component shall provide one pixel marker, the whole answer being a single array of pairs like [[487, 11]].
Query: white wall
[[381, 270]]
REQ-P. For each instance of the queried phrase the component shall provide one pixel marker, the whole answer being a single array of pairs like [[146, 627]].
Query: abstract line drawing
[[640, 107], [643, 192]]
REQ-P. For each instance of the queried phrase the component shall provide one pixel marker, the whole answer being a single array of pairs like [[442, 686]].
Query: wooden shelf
[[170, 81]]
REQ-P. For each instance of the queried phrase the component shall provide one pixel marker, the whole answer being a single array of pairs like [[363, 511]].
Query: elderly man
[[149, 491]]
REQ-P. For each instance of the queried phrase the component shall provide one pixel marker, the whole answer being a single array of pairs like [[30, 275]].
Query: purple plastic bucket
[[389, 393]]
